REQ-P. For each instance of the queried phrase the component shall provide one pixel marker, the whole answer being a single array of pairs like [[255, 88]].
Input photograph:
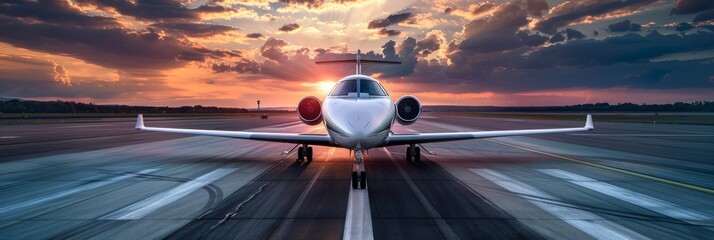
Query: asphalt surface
[[108, 181]]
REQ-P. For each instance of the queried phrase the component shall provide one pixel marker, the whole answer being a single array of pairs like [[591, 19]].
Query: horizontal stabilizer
[[360, 61]]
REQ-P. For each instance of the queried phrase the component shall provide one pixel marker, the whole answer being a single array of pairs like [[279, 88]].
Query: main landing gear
[[304, 153], [359, 177], [413, 152]]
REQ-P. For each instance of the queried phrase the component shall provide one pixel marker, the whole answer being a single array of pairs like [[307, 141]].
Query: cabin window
[[371, 87], [344, 88]]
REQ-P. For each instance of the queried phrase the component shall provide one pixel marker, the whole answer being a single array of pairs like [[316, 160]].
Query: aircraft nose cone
[[359, 123]]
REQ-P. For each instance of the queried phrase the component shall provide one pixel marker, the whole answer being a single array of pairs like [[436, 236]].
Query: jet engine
[[408, 110], [310, 110]]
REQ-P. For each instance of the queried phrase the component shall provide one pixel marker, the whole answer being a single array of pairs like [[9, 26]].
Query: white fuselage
[[358, 121]]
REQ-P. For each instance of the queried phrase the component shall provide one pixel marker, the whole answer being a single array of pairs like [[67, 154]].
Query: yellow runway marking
[[620, 170]]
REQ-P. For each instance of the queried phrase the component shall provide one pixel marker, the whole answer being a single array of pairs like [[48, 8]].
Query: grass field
[[658, 118]]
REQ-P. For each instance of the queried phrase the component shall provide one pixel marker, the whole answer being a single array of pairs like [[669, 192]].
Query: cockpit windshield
[[371, 87], [344, 88], [349, 88]]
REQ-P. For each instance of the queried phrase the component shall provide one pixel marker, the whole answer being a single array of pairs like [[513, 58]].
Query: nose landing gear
[[359, 176]]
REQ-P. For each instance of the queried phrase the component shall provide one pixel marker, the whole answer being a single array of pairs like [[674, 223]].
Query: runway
[[108, 181]]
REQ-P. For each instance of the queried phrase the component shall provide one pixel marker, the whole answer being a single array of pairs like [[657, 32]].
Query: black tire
[[300, 155], [309, 154], [409, 154], [417, 154], [354, 179], [362, 180]]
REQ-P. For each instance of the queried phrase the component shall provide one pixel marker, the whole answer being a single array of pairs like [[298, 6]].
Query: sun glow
[[326, 86], [323, 86]]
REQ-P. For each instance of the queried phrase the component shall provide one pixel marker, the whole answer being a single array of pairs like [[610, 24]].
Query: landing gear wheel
[[300, 154], [309, 154], [409, 154], [362, 180], [417, 154], [354, 180]]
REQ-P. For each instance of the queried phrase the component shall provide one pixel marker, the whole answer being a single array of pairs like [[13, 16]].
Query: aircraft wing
[[403, 139], [312, 139]]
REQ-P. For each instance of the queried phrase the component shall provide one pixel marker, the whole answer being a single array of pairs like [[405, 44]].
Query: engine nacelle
[[408, 109], [310, 110]]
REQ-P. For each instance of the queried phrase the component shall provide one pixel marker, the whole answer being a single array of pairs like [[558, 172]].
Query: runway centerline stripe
[[86, 187], [620, 170], [358, 221], [585, 221], [642, 200], [640, 135], [444, 228], [149, 205]]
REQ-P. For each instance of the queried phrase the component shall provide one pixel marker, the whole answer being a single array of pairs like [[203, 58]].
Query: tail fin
[[358, 61]]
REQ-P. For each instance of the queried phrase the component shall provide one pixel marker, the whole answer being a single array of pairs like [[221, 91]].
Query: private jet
[[358, 115]]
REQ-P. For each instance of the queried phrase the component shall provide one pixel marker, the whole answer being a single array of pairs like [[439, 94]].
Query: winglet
[[139, 122], [589, 123]]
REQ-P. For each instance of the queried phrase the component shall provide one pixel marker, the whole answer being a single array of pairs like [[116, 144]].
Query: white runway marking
[[90, 186], [358, 222], [86, 125], [641, 135], [587, 222], [653, 204], [8, 137], [149, 205]]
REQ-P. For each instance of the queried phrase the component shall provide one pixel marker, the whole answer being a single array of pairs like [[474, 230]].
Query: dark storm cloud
[[243, 66], [386, 32], [575, 11], [38, 78], [629, 48], [156, 9], [573, 34], [624, 26], [497, 32], [390, 20], [54, 12], [113, 47], [272, 49], [529, 39], [289, 27], [692, 6], [254, 35], [642, 75], [483, 7], [428, 45], [557, 37], [194, 29], [705, 16], [312, 3], [536, 7], [683, 26]]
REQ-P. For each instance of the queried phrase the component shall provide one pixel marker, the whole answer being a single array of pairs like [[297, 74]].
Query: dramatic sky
[[233, 52]]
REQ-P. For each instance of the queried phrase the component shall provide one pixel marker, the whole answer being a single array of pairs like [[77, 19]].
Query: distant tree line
[[698, 106], [24, 106]]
